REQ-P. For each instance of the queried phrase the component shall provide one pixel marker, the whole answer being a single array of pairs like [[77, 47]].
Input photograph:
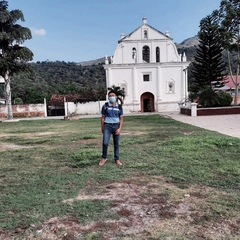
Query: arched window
[[157, 54], [134, 53], [146, 54], [145, 34]]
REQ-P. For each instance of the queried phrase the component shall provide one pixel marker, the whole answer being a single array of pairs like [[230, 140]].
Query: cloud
[[40, 32]]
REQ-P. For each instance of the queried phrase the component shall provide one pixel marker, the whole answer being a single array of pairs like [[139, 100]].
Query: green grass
[[35, 181]]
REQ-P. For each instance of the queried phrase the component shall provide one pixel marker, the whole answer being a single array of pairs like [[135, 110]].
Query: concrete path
[[225, 124]]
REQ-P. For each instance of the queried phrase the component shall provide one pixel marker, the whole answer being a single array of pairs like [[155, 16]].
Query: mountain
[[188, 46], [190, 42], [98, 61]]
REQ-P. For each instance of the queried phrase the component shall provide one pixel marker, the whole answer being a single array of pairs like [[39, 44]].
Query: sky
[[83, 30]]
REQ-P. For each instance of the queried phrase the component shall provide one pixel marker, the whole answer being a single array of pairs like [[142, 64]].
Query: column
[[45, 107], [185, 85], [159, 88], [134, 77], [108, 77], [193, 109]]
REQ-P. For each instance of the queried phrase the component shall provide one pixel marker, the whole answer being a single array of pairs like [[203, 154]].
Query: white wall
[[83, 108], [92, 108]]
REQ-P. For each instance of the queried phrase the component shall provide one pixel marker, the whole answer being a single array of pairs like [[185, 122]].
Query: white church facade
[[147, 65]]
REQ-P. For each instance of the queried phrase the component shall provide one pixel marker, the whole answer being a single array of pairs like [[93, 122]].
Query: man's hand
[[118, 131]]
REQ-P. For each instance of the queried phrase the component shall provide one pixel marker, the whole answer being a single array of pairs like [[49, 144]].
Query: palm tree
[[13, 56], [120, 92]]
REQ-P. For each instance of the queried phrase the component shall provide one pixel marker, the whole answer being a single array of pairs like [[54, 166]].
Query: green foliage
[[225, 99], [58, 77], [13, 56], [229, 19], [210, 98], [85, 157], [18, 101], [229, 25], [208, 66]]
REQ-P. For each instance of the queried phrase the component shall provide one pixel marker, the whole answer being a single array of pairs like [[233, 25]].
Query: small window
[[146, 78], [146, 54], [134, 53], [157, 54], [145, 34]]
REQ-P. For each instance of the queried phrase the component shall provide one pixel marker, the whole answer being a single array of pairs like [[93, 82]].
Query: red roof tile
[[228, 81], [58, 99]]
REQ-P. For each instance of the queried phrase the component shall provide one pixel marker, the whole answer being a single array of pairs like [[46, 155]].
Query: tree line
[[59, 77]]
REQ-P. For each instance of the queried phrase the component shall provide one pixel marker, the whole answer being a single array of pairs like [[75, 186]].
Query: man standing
[[111, 124]]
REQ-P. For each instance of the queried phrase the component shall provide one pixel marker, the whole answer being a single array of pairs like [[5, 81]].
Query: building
[[230, 86], [147, 65]]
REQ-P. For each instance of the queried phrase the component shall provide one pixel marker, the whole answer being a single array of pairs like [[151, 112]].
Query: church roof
[[144, 24]]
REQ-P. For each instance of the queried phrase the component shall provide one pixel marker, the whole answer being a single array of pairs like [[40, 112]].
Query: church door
[[147, 102]]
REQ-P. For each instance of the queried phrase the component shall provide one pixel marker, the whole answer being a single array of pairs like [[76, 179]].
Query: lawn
[[177, 181]]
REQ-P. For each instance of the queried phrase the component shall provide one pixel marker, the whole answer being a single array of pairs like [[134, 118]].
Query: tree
[[229, 26], [208, 66], [13, 56], [120, 92]]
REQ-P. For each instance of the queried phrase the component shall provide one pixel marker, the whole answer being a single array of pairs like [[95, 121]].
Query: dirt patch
[[132, 133], [145, 208], [12, 146], [27, 134], [97, 142], [188, 132], [4, 146], [44, 133]]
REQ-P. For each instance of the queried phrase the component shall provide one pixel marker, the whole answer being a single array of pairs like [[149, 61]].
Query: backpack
[[119, 108]]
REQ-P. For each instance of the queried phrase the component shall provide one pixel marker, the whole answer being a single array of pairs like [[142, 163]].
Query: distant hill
[[98, 61], [188, 46], [190, 42]]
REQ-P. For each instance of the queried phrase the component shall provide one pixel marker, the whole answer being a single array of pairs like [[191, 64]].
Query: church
[[146, 64]]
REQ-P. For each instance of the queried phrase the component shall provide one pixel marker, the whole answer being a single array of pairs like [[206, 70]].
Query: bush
[[225, 99], [210, 98], [18, 101]]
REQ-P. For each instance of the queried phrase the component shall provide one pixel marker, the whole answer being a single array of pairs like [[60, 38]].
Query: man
[[111, 124]]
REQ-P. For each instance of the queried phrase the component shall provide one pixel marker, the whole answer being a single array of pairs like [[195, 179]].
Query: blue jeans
[[109, 129]]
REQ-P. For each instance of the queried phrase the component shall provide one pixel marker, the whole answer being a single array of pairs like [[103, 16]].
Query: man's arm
[[120, 125], [102, 123]]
